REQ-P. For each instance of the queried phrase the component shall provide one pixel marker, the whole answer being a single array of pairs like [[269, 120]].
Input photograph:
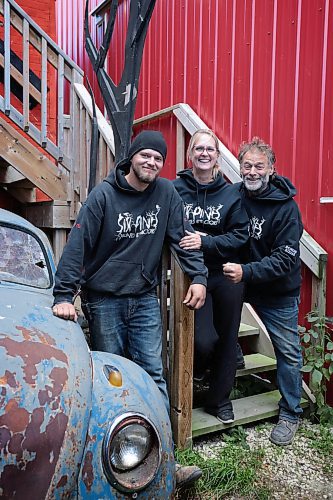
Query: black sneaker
[[225, 416]]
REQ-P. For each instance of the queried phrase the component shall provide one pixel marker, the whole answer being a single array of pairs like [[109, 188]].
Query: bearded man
[[272, 272]]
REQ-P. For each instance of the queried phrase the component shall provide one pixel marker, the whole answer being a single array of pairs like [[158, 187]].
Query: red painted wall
[[44, 15], [247, 68]]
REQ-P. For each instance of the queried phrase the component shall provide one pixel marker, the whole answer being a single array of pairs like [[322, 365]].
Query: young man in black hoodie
[[113, 253], [272, 274]]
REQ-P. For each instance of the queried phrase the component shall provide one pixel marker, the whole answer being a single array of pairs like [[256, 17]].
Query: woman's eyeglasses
[[201, 149]]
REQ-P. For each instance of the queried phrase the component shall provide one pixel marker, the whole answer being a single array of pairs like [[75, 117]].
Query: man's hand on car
[[65, 310]]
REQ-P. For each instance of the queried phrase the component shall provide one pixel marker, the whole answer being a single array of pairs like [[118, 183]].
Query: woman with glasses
[[221, 229]]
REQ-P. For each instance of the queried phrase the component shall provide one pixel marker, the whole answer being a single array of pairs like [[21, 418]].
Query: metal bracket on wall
[[328, 199]]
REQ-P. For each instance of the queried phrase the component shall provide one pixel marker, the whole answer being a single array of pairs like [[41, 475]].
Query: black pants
[[216, 335]]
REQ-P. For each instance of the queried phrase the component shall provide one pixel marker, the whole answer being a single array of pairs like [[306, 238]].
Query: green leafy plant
[[318, 356]]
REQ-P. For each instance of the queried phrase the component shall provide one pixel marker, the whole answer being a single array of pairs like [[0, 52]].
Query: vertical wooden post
[[26, 58], [163, 297], [180, 151], [181, 358], [59, 241], [318, 299], [43, 133]]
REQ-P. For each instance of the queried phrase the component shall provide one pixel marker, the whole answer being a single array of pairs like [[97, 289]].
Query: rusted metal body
[[56, 402]]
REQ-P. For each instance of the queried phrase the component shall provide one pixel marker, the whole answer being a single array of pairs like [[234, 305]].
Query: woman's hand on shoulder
[[191, 241]]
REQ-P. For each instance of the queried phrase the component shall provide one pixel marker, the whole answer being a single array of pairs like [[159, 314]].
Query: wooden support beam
[[181, 358], [53, 215], [31, 163], [23, 194], [59, 241], [9, 174]]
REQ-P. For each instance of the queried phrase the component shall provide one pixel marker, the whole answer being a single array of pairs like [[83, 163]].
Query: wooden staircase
[[249, 408], [45, 127]]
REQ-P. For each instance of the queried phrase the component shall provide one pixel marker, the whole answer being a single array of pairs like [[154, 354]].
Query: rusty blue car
[[73, 423]]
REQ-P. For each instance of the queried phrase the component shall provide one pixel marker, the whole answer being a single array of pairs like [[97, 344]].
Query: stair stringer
[[263, 345], [31, 163]]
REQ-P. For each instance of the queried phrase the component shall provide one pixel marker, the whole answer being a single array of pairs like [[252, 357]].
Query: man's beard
[[144, 177], [257, 186]]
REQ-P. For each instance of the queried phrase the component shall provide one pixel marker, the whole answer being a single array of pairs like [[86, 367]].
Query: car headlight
[[131, 452]]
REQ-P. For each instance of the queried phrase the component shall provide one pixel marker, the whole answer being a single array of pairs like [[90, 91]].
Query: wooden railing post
[[180, 358]]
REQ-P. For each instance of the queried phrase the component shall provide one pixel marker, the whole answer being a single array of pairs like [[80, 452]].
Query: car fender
[[137, 391]]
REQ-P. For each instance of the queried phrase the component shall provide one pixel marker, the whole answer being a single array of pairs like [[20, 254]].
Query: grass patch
[[232, 471]]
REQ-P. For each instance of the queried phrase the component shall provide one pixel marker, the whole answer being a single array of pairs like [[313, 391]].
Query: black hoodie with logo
[[214, 209], [116, 243], [273, 271]]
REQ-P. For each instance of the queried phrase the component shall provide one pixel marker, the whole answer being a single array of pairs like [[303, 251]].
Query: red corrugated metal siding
[[260, 67]]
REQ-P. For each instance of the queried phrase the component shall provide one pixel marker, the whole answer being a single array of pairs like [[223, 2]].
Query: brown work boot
[[187, 475]]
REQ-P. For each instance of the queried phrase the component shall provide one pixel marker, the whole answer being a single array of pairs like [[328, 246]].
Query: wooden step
[[247, 330], [246, 410], [256, 363]]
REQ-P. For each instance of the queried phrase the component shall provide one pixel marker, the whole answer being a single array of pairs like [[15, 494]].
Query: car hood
[[45, 394]]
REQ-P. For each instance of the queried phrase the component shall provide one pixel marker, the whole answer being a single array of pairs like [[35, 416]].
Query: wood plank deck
[[249, 409]]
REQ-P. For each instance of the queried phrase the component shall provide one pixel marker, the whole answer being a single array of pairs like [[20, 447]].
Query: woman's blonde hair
[[189, 154]]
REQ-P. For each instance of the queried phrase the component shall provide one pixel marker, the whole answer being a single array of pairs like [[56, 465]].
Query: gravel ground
[[293, 472]]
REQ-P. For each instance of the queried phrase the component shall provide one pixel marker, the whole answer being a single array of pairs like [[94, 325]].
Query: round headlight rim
[[119, 423]]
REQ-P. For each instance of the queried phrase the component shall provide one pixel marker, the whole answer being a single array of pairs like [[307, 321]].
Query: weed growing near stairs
[[318, 359]]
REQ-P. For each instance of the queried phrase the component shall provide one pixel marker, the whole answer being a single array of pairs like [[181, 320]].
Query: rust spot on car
[[15, 445], [8, 379], [87, 470], [59, 377], [62, 482], [4, 438], [15, 418], [41, 452], [125, 393], [91, 438], [32, 355], [29, 334]]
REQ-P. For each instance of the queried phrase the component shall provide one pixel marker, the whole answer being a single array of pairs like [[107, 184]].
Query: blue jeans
[[281, 323], [130, 327]]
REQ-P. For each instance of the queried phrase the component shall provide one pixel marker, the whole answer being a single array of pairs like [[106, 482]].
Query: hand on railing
[[195, 297]]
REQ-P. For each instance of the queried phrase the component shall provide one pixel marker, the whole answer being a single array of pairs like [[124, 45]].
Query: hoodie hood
[[197, 192], [279, 189], [187, 176], [117, 179], [215, 211]]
